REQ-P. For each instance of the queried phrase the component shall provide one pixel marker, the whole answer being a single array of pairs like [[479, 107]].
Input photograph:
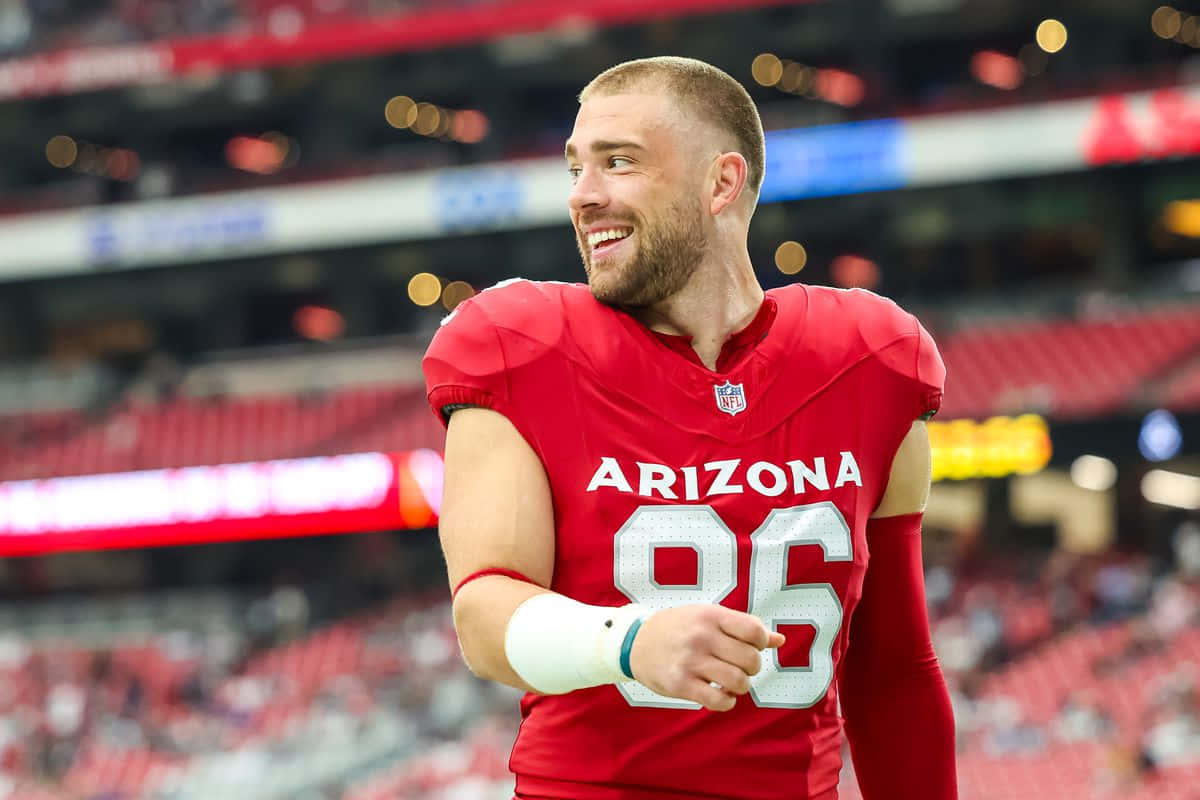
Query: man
[[677, 507]]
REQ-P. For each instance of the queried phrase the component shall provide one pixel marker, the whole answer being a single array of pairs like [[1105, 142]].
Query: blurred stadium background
[[229, 227]]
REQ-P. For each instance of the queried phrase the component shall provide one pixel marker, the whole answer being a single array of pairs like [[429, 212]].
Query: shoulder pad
[[894, 337], [473, 355]]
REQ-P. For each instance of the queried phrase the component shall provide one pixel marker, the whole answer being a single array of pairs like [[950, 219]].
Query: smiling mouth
[[603, 247]]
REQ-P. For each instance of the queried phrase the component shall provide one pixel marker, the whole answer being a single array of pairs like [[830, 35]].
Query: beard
[[666, 256]]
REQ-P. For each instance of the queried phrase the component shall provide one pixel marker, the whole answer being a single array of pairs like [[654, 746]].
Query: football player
[[681, 513]]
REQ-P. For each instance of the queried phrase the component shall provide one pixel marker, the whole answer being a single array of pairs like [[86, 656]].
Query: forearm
[[482, 610], [545, 642], [894, 698], [901, 735]]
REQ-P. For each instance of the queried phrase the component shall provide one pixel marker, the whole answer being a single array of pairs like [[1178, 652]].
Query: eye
[[574, 173], [613, 161]]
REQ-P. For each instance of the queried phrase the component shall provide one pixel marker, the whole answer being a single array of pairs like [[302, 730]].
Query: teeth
[[596, 237]]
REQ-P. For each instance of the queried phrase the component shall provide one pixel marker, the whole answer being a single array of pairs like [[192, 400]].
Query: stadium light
[[429, 117], [1160, 437], [1173, 489], [790, 257], [455, 292], [766, 69], [1183, 217], [796, 78], [400, 112], [997, 69], [318, 323], [61, 151], [854, 272], [840, 87], [469, 126], [1094, 472], [1051, 35], [122, 164], [261, 156], [1187, 30], [445, 124], [1166, 22], [424, 288]]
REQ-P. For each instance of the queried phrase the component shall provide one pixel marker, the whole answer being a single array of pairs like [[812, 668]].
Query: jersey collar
[[736, 346]]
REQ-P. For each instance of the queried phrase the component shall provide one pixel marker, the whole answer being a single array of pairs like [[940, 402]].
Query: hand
[[680, 652]]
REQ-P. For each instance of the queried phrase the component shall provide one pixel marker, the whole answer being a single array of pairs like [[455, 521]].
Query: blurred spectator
[[1010, 732], [1186, 545], [1173, 738], [1172, 607], [1144, 640], [1120, 588], [1082, 718]]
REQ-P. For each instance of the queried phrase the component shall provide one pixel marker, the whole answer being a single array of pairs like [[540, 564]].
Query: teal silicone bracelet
[[627, 648]]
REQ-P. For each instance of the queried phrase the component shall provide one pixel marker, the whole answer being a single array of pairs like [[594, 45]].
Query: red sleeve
[[930, 372], [894, 698], [905, 348], [465, 364]]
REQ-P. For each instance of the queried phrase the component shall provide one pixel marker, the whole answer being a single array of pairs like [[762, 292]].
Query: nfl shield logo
[[730, 398]]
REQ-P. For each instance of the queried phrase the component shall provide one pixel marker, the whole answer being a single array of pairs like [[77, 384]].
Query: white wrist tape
[[558, 645]]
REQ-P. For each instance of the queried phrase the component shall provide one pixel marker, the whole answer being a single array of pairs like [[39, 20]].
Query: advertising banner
[[270, 499]]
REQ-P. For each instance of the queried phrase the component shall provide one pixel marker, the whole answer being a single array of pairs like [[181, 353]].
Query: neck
[[720, 299]]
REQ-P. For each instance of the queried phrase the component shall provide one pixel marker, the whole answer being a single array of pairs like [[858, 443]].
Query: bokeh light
[[796, 78], [790, 257], [855, 272], [1187, 30], [1166, 22], [424, 288], [469, 126], [122, 164], [1051, 35], [767, 69], [997, 69], [455, 292], [841, 87], [61, 151], [429, 117], [400, 112], [318, 323]]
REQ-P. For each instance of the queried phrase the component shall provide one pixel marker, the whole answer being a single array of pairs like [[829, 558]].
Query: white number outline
[[781, 530]]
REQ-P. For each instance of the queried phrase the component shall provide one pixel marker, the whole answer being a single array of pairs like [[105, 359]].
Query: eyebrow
[[604, 146]]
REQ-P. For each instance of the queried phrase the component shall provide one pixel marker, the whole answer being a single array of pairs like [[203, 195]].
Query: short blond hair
[[709, 93]]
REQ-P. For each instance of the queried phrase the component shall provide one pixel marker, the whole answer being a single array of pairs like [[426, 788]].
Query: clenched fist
[[682, 651]]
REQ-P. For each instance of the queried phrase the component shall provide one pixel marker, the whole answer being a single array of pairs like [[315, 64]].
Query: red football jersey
[[674, 484]]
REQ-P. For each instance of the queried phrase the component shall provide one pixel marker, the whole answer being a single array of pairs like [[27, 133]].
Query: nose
[[588, 192]]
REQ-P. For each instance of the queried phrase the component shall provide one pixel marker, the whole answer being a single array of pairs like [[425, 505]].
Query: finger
[[710, 697], [745, 627], [741, 655], [732, 679], [777, 639]]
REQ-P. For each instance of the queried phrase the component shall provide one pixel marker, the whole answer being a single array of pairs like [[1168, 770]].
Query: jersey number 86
[[771, 598]]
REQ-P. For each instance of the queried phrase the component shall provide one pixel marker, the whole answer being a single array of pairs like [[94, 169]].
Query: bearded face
[[649, 264], [636, 203]]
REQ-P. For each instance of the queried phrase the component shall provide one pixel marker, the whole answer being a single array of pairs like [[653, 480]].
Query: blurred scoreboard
[[994, 448]]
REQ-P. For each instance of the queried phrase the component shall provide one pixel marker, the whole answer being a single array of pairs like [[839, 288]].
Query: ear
[[729, 173]]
